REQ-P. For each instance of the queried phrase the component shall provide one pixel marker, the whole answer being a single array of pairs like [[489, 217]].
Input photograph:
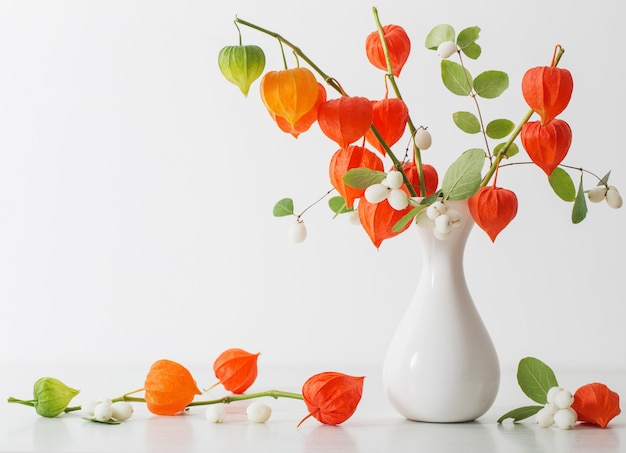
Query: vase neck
[[454, 245]]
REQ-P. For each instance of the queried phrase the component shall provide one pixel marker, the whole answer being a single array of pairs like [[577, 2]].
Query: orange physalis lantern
[[289, 93], [389, 117], [398, 46], [493, 208], [596, 403], [546, 145], [547, 90], [236, 369], [378, 220], [345, 159], [169, 388], [306, 121], [332, 397], [346, 119], [430, 177]]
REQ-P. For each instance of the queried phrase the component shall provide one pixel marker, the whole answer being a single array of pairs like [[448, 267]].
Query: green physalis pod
[[241, 65], [52, 396]]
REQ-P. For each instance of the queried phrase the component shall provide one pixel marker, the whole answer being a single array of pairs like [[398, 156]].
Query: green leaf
[[472, 51], [467, 37], [491, 84], [511, 151], [338, 205], [283, 208], [363, 177], [463, 177], [456, 78], [605, 179], [499, 128], [520, 413], [111, 421], [562, 184], [535, 378], [406, 218], [440, 33], [467, 122], [579, 211]]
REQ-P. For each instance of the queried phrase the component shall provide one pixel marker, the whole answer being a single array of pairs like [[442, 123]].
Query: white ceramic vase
[[441, 365]]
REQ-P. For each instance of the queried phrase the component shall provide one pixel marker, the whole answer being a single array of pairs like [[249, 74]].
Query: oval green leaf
[[499, 128], [338, 205], [562, 184], [472, 51], [283, 208], [463, 177], [520, 413], [456, 78], [535, 378], [491, 84], [440, 33], [467, 37], [362, 177], [511, 151], [467, 122]]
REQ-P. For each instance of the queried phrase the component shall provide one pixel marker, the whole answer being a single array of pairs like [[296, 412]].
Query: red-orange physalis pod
[[346, 119], [390, 118], [492, 209], [236, 369], [596, 403], [398, 46], [332, 397], [430, 177], [169, 388], [547, 90], [345, 159], [378, 220], [289, 93], [306, 121], [546, 145]]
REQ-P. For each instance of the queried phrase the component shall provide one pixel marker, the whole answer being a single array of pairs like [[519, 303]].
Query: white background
[[137, 186]]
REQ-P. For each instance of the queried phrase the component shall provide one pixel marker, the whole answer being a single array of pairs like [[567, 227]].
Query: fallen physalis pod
[[236, 369], [332, 397], [169, 388], [596, 403]]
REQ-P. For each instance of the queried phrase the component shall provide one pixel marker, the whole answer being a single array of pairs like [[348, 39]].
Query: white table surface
[[375, 427]]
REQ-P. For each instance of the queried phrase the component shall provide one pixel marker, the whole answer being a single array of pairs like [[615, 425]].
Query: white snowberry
[[597, 194], [442, 223], [87, 408], [454, 216], [394, 179], [258, 412], [121, 411], [563, 399], [376, 193], [398, 199], [552, 392], [435, 210], [297, 232], [215, 413], [565, 418], [613, 198], [423, 139], [103, 412], [544, 417], [447, 49]]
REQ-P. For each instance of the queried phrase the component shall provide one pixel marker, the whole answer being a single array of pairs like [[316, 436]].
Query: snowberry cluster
[[557, 410], [608, 193], [441, 218], [389, 189], [104, 410], [256, 412]]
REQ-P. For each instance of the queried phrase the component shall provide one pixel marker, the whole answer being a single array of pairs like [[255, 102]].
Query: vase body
[[441, 365]]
